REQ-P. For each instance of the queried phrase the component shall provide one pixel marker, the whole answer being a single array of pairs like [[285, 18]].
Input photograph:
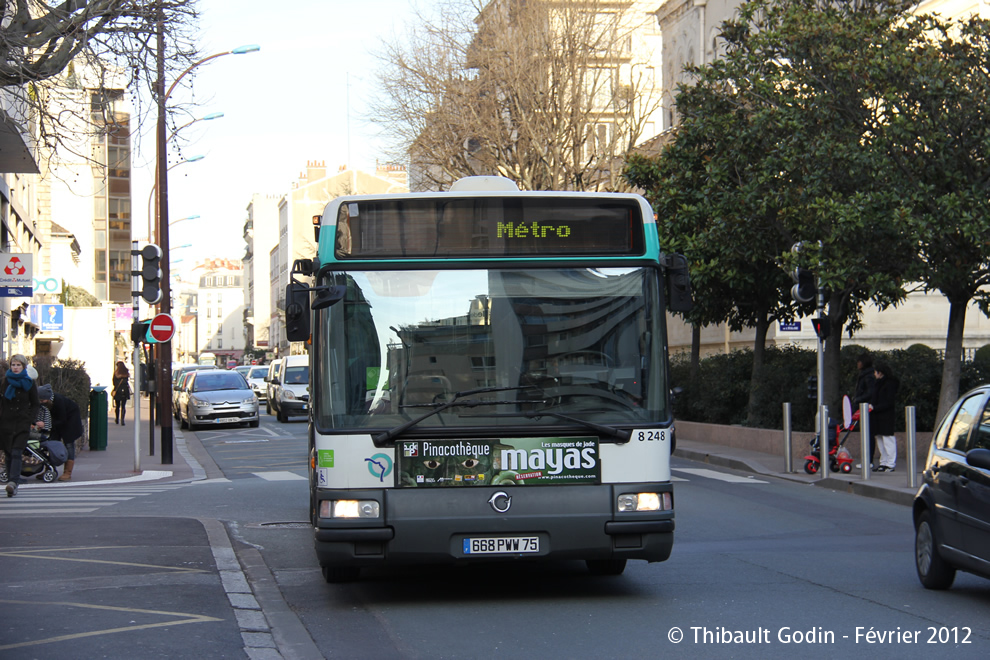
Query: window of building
[[120, 266]]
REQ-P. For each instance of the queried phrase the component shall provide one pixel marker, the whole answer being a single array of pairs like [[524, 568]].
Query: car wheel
[[254, 424], [933, 571], [268, 407], [281, 418], [182, 422], [606, 566]]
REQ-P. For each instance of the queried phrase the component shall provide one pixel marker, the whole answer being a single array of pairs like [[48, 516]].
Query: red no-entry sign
[[162, 328]]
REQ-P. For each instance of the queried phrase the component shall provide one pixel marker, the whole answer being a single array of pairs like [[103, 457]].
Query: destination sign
[[434, 227]]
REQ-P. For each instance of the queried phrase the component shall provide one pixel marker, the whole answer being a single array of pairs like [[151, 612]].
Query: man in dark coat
[[884, 415], [66, 424], [865, 383]]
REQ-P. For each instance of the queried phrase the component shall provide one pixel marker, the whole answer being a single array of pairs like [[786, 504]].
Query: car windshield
[[536, 344], [296, 375], [258, 372], [207, 382]]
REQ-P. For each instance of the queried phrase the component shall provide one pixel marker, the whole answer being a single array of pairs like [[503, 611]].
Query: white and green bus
[[488, 378]]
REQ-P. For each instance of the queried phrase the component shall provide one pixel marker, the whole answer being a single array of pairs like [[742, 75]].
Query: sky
[[284, 105]]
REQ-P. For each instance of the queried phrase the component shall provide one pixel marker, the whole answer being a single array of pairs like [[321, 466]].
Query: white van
[[292, 390], [274, 369]]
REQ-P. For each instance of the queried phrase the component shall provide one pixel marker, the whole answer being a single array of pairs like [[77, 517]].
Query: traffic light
[[812, 387], [804, 289], [151, 273], [822, 327], [139, 331]]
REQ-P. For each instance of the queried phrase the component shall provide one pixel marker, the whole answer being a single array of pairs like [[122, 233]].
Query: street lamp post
[[165, 348]]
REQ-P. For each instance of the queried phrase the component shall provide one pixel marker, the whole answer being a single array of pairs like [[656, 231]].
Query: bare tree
[[550, 93], [51, 52]]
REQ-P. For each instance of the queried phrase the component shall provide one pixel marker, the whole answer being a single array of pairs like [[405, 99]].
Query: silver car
[[256, 379], [217, 397]]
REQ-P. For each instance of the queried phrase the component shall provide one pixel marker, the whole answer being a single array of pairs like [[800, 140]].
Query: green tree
[[778, 143], [718, 204], [937, 92]]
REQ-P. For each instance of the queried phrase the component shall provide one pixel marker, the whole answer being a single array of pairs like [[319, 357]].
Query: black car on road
[[952, 507]]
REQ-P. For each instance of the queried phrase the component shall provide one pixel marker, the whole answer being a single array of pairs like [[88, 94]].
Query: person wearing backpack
[[121, 392]]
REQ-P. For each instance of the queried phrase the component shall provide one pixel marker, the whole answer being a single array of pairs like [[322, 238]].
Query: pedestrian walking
[[121, 392], [18, 413], [66, 425], [883, 416]]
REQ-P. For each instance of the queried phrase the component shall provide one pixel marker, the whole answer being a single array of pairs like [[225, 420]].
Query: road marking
[[721, 476], [38, 554], [183, 618], [279, 476], [43, 500]]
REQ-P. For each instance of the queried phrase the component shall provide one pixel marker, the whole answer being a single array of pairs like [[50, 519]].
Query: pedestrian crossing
[[39, 500], [714, 474]]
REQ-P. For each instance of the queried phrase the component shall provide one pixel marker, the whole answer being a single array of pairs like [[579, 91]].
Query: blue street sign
[[792, 326], [16, 292]]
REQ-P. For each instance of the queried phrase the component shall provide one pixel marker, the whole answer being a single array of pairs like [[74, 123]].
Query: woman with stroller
[[18, 412], [121, 392], [883, 415]]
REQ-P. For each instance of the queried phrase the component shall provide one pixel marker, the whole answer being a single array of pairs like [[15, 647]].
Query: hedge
[[721, 394]]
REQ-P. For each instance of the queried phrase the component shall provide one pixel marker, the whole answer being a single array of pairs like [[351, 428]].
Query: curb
[[903, 496]]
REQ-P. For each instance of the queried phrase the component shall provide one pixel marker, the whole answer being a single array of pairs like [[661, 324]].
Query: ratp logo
[[379, 465]]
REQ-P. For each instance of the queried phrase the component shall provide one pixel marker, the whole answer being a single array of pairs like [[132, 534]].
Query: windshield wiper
[[382, 439], [622, 435]]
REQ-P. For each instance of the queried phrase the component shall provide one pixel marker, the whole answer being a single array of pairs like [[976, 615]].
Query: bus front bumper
[[437, 525]]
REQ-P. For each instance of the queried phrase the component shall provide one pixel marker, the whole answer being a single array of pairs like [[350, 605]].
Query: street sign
[[161, 329], [15, 275]]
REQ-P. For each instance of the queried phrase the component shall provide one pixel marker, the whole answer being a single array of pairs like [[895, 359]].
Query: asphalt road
[[761, 568]]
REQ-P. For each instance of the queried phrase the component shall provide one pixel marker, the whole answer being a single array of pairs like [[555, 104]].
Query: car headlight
[[249, 400], [288, 394], [199, 403]]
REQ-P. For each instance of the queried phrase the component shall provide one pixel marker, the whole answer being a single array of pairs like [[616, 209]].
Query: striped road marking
[[721, 476], [38, 500]]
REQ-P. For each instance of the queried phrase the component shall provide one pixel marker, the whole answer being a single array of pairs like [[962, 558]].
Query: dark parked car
[[952, 507]]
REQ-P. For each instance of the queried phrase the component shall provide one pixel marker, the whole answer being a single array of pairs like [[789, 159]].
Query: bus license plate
[[504, 545]]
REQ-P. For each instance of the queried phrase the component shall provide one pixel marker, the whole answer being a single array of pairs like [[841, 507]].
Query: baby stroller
[[41, 458], [840, 460]]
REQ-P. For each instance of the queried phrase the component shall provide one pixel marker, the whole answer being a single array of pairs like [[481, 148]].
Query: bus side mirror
[[678, 283], [297, 312]]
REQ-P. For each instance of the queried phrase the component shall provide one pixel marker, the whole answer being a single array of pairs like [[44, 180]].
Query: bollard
[[788, 457], [864, 438], [823, 444], [910, 448]]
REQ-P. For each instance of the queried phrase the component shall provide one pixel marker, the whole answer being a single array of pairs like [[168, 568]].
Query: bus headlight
[[350, 509], [645, 502]]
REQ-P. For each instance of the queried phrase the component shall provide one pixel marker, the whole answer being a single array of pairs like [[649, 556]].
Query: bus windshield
[[515, 347]]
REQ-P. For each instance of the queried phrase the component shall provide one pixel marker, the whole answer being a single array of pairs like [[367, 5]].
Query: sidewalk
[[116, 463], [889, 486]]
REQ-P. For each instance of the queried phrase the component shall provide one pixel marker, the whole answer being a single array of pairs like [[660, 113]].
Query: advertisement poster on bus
[[485, 462]]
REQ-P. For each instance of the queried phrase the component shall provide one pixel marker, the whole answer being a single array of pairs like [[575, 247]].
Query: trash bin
[[98, 418]]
